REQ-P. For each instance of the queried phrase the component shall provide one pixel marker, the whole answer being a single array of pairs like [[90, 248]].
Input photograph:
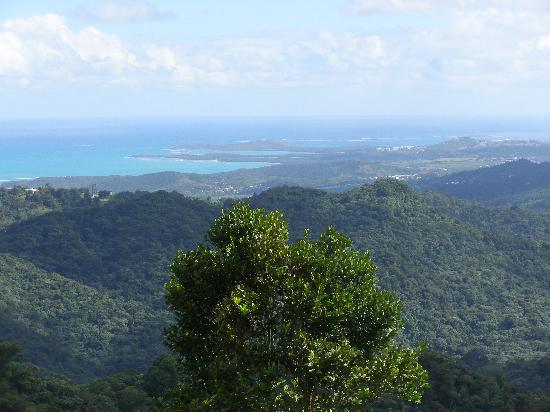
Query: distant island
[[329, 168]]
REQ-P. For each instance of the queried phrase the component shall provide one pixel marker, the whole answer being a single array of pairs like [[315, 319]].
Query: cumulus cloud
[[468, 45], [125, 11], [44, 46], [476, 48], [45, 49], [485, 48]]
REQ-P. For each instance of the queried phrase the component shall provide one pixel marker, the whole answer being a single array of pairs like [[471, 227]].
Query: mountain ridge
[[463, 281], [501, 185]]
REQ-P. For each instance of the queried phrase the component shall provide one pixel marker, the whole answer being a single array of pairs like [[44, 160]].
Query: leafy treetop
[[266, 325]]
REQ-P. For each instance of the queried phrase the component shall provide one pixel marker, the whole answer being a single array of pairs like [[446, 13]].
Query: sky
[[121, 58]]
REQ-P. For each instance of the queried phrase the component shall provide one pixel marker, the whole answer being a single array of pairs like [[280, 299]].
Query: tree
[[261, 324], [8, 351]]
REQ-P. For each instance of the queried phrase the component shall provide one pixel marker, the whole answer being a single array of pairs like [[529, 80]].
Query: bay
[[102, 147]]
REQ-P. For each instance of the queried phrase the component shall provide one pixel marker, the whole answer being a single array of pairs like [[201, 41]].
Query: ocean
[[102, 147]]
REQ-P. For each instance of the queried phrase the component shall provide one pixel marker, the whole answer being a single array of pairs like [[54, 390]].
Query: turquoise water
[[101, 147]]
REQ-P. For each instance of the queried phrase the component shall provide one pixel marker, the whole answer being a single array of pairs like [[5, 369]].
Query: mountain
[[18, 204], [24, 387], [123, 247], [473, 280], [71, 328], [517, 183], [464, 283]]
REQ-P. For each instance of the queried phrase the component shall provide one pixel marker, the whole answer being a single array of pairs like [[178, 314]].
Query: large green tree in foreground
[[266, 325]]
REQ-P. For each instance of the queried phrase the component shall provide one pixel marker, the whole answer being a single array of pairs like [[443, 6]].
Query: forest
[[81, 281], [520, 183]]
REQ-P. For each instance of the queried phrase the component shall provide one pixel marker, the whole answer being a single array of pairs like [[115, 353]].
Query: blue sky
[[72, 58]]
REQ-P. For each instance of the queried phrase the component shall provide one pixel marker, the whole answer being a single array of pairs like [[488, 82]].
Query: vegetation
[[518, 183], [71, 328], [123, 247], [463, 284], [537, 200], [19, 204], [263, 325], [327, 168], [456, 388], [83, 294], [533, 374], [24, 388], [472, 279], [508, 222]]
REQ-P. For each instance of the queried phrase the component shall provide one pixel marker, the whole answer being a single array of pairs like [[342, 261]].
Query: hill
[[72, 328], [464, 281], [518, 183], [24, 387], [123, 247], [472, 279], [18, 204]]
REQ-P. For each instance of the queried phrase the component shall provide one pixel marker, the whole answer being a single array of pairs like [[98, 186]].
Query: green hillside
[[24, 387], [72, 328], [519, 183], [464, 288], [27, 388], [472, 279], [18, 204], [123, 247], [536, 200]]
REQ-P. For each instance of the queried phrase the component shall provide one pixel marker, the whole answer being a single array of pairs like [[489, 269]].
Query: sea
[[31, 148]]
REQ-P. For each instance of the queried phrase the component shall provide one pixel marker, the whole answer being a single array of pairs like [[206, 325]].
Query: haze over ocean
[[101, 147]]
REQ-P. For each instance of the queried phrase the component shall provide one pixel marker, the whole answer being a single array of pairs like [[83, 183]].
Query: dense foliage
[[264, 325], [456, 388], [71, 328], [518, 183], [472, 279], [25, 388], [463, 286], [18, 203], [533, 374], [123, 247]]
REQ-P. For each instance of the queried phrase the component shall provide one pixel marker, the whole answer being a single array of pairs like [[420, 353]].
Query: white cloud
[[486, 48], [45, 50], [307, 60], [51, 50], [470, 45], [114, 10], [174, 69], [12, 58], [103, 51], [161, 57], [477, 48]]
